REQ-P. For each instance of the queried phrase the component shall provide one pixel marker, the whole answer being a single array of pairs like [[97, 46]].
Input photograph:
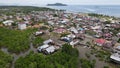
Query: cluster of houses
[[48, 47], [78, 25], [22, 20]]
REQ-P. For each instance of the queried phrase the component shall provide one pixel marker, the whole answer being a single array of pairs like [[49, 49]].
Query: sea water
[[111, 10]]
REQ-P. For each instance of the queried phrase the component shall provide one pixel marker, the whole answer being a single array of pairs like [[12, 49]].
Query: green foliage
[[97, 15], [43, 28], [1, 23], [15, 40], [118, 40], [14, 24], [69, 50], [55, 15], [61, 59], [22, 9], [51, 29], [64, 34], [90, 32], [5, 60], [86, 63], [102, 55], [106, 67], [37, 41], [87, 55], [107, 22]]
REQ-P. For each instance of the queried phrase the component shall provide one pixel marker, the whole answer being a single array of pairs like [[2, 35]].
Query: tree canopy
[[5, 60], [15, 40], [66, 58]]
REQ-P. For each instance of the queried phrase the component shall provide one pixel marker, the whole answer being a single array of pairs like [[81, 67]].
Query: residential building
[[8, 22], [22, 26]]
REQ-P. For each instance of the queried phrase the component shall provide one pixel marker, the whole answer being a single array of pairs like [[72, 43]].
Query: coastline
[[108, 10]]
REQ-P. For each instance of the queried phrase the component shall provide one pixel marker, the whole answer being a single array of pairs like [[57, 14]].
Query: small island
[[57, 4]]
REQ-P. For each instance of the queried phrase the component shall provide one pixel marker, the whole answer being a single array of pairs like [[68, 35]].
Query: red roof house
[[100, 42]]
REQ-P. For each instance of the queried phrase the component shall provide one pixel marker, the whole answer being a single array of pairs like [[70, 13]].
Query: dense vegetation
[[21, 9], [66, 58], [102, 55], [87, 64], [90, 32], [37, 41], [5, 60], [15, 40], [99, 15]]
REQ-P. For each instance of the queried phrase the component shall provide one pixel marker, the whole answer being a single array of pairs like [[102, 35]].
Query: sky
[[70, 2]]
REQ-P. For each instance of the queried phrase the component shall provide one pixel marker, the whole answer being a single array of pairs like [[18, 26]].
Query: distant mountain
[[57, 4], [1, 4]]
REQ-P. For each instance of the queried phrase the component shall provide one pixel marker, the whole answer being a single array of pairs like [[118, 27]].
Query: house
[[107, 36], [64, 21], [50, 22], [71, 36], [39, 33], [117, 49], [59, 30], [95, 27], [74, 42], [118, 34], [100, 42], [115, 57], [96, 36], [48, 41], [22, 26], [49, 50], [42, 47], [80, 36], [8, 22], [74, 30], [66, 39], [108, 44]]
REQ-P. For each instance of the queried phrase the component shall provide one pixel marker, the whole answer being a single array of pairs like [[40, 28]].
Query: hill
[[57, 4]]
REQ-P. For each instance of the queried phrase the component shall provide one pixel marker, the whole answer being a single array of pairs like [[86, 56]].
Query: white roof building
[[117, 49], [73, 29], [50, 49], [8, 22], [74, 42], [42, 47], [115, 57], [96, 27], [38, 32], [22, 26], [50, 22], [48, 41], [71, 36]]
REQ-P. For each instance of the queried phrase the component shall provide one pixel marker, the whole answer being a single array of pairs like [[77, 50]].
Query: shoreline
[[81, 9], [90, 10]]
